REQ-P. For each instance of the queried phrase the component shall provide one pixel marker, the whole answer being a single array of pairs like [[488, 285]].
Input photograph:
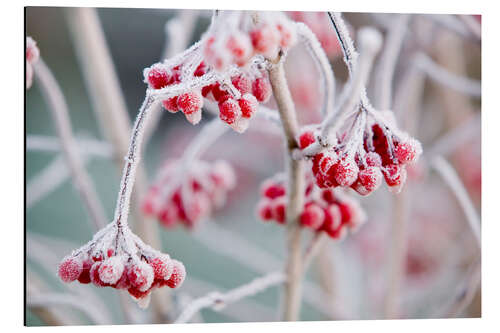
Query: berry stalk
[[295, 171]]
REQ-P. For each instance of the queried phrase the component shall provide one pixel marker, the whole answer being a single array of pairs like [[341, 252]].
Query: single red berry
[[264, 210], [373, 159], [287, 35], [240, 47], [346, 172], [261, 89], [97, 256], [265, 40], [162, 267], [242, 83], [306, 138], [248, 105], [123, 282], [137, 293], [312, 217], [178, 275], [190, 102], [110, 270], [94, 275], [158, 77], [110, 252], [219, 93], [229, 111], [279, 210], [333, 220], [272, 190], [370, 178], [140, 275], [407, 152], [206, 90], [201, 69], [393, 174], [84, 277], [70, 269], [168, 215], [329, 196], [171, 104]]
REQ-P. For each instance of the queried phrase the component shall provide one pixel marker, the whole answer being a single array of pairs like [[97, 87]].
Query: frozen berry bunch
[[325, 210], [364, 156], [189, 197], [32, 55], [117, 258], [227, 66], [236, 37]]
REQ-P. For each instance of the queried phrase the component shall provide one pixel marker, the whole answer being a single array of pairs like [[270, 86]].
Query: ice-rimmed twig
[[323, 64], [218, 300], [295, 174], [388, 60], [441, 75], [59, 111], [449, 175], [86, 145]]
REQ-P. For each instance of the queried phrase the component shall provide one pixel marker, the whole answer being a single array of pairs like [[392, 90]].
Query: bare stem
[[451, 178], [388, 61], [59, 111], [217, 300], [286, 109]]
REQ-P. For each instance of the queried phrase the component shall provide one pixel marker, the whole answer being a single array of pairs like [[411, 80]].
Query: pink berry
[[94, 275], [70, 269], [265, 40], [242, 83], [190, 102], [168, 215], [370, 178], [229, 111], [265, 210], [261, 89], [84, 277], [407, 152], [141, 275], [240, 47], [111, 270], [287, 34], [312, 217], [162, 267], [248, 105], [279, 210], [373, 159], [171, 104], [346, 172], [178, 275], [305, 139], [158, 77]]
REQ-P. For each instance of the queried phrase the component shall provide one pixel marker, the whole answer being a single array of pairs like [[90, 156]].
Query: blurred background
[[234, 247]]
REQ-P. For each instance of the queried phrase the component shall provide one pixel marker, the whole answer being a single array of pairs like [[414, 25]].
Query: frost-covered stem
[[443, 76], [131, 162], [110, 107], [370, 41], [388, 60], [217, 300], [323, 64], [397, 255], [455, 137], [451, 178], [87, 146], [59, 111], [295, 172]]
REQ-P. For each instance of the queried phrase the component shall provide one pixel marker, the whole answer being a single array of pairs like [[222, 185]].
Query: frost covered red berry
[[32, 56], [325, 210], [371, 152], [118, 259], [190, 197]]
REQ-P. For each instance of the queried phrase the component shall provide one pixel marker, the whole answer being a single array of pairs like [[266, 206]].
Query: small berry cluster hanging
[[32, 55], [117, 258], [325, 210], [188, 197], [364, 156], [226, 66]]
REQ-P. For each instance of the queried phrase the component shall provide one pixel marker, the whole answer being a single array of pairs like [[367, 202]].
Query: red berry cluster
[[380, 155], [139, 275], [190, 198], [32, 55], [190, 103], [325, 210], [236, 41]]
